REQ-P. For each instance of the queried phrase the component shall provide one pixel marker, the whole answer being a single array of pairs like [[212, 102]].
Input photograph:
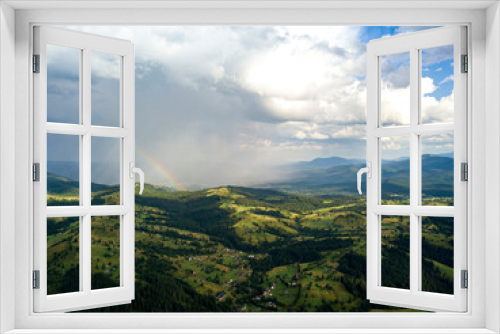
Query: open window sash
[[415, 297], [83, 296]]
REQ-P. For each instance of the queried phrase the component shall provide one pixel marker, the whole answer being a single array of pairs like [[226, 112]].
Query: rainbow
[[160, 169]]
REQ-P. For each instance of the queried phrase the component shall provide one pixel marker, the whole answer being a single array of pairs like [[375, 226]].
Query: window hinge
[[36, 172], [465, 279], [464, 169], [465, 64], [36, 279], [36, 63]]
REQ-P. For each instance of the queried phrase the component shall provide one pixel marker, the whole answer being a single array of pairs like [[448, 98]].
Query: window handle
[[135, 170], [368, 171]]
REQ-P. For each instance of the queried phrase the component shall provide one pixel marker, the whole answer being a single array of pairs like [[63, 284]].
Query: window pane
[[437, 104], [105, 171], [63, 255], [63, 84], [106, 72], [63, 170], [437, 254], [395, 166], [437, 169], [396, 252], [105, 252], [395, 89]]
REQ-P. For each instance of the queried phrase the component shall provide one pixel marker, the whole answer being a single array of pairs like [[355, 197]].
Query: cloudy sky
[[218, 105]]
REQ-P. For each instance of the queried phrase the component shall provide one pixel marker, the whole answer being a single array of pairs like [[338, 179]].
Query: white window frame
[[414, 296], [86, 43], [483, 311]]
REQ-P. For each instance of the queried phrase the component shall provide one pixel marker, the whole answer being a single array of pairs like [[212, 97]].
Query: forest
[[241, 249]]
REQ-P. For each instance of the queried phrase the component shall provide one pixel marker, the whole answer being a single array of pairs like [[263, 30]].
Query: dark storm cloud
[[196, 139]]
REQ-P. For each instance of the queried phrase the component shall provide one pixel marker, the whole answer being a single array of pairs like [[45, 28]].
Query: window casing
[[26, 319]]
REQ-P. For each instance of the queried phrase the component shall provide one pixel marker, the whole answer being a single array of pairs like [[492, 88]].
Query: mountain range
[[335, 175], [102, 173], [325, 176]]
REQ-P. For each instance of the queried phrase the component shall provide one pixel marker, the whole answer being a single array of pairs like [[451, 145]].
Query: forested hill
[[241, 249]]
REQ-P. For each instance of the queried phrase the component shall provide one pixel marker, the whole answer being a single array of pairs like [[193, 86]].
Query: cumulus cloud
[[293, 70], [398, 144], [217, 104], [300, 135], [395, 69], [395, 105], [314, 135], [437, 144], [320, 136], [432, 109], [356, 131]]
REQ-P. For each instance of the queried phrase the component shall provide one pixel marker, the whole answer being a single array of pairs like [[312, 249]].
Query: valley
[[242, 249]]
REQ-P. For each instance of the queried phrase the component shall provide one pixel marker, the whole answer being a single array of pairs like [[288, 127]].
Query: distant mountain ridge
[[68, 169], [326, 162], [102, 173], [320, 176], [340, 161], [337, 175]]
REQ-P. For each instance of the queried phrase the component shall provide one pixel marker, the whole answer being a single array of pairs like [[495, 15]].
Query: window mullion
[[436, 128], [82, 195], [406, 210], [85, 166], [414, 172]]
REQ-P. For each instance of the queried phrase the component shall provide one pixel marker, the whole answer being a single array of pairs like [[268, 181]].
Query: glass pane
[[63, 84], [395, 166], [396, 252], [437, 104], [105, 252], [106, 72], [437, 169], [395, 89], [105, 171], [437, 254], [63, 170], [63, 255]]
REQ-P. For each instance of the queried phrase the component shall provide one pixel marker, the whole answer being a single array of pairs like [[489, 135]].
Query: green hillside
[[231, 249]]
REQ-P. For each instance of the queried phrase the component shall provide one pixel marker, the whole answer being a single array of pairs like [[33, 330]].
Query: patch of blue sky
[[367, 33], [437, 64]]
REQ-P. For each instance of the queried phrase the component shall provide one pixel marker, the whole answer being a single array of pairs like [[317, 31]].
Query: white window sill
[[250, 331]]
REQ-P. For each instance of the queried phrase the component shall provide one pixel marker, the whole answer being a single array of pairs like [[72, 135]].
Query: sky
[[221, 104]]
